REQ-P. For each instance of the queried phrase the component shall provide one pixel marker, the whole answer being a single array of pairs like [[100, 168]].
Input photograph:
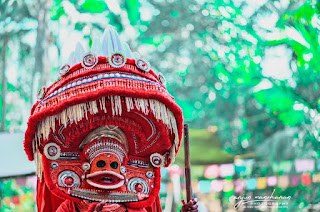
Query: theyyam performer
[[101, 133]]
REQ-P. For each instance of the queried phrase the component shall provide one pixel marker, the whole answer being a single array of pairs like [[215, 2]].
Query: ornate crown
[[104, 145]]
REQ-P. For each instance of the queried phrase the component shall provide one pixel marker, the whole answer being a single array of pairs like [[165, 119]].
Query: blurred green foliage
[[204, 141], [250, 69], [15, 197], [214, 54]]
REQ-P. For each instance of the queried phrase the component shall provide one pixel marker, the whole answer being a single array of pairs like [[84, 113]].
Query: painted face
[[100, 171], [105, 172]]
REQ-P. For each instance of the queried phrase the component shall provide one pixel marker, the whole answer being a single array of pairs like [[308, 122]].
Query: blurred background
[[246, 74]]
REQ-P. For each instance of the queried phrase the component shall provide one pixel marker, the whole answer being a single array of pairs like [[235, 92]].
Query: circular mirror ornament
[[117, 60], [86, 166], [54, 165], [149, 174], [138, 184], [89, 61], [41, 93], [143, 65], [157, 160], [64, 70], [123, 170], [68, 179], [52, 151]]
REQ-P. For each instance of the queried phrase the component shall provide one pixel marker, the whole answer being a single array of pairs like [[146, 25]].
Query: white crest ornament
[[117, 60], [143, 65], [41, 93], [157, 160], [89, 61], [64, 70]]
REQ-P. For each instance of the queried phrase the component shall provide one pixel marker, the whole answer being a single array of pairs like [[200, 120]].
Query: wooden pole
[[187, 165]]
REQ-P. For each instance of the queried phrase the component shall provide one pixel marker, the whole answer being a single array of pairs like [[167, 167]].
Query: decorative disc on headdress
[[64, 70], [143, 65], [41, 93], [162, 79], [117, 60], [89, 61]]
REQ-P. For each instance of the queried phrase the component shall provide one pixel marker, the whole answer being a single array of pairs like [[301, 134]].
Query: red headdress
[[108, 102]]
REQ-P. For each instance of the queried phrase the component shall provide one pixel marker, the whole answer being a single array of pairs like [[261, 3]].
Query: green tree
[[14, 18]]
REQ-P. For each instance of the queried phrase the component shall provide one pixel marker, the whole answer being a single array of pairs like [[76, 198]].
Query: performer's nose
[[105, 162], [101, 163]]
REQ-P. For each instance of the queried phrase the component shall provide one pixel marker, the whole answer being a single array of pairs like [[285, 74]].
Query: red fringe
[[35, 118]]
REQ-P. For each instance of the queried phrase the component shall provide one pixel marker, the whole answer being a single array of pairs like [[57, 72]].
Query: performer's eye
[[101, 163], [114, 165]]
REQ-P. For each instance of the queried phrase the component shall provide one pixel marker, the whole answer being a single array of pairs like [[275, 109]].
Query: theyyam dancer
[[101, 133]]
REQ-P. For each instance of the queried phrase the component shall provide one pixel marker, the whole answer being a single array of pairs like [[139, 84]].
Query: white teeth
[[76, 113]]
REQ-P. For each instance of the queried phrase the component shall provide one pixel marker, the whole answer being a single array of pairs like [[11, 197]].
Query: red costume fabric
[[102, 132], [69, 206], [46, 200]]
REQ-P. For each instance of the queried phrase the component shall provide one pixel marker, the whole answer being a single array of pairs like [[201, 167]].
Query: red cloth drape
[[48, 202]]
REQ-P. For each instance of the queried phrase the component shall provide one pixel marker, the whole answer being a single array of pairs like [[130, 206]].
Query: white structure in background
[[13, 159]]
